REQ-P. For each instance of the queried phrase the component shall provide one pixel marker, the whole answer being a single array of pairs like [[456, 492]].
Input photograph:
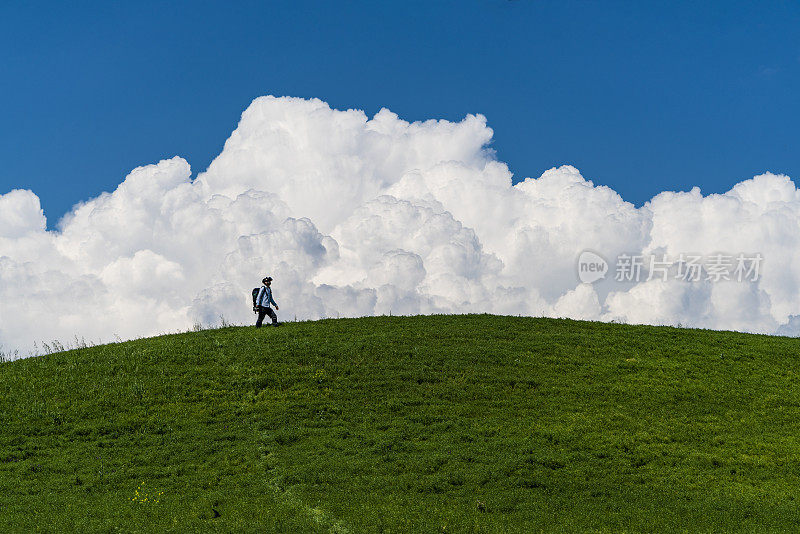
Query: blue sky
[[642, 97]]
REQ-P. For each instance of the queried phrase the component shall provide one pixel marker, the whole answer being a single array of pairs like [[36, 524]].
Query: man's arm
[[273, 301]]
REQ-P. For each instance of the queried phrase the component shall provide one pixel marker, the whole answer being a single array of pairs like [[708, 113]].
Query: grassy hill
[[406, 424]]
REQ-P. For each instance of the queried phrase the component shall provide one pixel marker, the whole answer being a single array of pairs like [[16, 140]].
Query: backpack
[[255, 296]]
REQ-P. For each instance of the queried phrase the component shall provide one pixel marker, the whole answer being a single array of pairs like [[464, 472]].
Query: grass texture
[[472, 423]]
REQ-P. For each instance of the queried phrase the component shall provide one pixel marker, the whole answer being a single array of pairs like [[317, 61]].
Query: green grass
[[406, 424]]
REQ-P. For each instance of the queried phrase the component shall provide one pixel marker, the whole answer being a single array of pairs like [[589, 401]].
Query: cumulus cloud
[[355, 216]]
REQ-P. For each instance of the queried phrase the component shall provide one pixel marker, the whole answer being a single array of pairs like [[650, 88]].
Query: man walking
[[263, 302]]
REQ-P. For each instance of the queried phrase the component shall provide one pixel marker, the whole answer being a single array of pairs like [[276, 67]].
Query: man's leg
[[262, 311], [273, 316]]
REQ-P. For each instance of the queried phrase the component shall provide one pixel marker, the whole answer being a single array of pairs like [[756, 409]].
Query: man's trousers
[[262, 311]]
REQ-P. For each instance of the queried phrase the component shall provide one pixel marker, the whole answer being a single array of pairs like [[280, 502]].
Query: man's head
[[266, 281]]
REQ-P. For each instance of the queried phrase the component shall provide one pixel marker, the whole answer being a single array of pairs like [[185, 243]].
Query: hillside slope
[[406, 424]]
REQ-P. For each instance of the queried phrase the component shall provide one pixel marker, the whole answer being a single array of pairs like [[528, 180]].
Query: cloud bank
[[355, 216]]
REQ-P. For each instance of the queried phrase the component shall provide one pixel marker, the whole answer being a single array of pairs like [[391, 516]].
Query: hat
[[266, 279]]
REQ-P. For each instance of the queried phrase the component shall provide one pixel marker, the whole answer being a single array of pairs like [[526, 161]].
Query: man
[[263, 302]]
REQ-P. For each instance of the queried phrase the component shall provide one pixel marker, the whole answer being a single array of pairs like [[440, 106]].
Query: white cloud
[[357, 216], [20, 214]]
